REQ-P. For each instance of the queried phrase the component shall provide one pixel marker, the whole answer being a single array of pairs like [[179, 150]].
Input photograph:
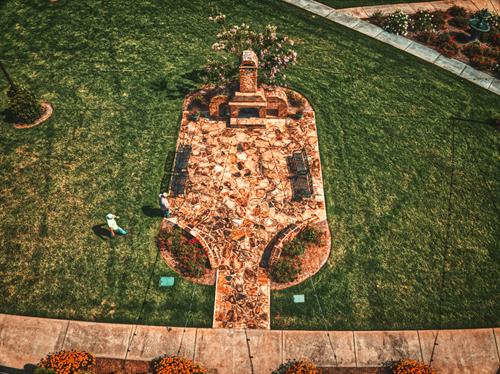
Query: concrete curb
[[25, 340], [421, 51]]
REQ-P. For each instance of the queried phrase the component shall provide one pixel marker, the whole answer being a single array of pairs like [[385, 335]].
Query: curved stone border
[[229, 351], [421, 51], [47, 113], [317, 256]]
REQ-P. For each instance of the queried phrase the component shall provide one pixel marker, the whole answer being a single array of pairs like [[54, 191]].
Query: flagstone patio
[[238, 197]]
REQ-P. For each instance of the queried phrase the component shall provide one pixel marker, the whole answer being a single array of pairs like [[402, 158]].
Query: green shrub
[[396, 23], [439, 19], [293, 248], [472, 50], [459, 21], [23, 106], [457, 11], [377, 18], [310, 235], [446, 45], [423, 20], [427, 37], [286, 269]]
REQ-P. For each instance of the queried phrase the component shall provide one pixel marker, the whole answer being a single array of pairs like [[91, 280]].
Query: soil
[[47, 111]]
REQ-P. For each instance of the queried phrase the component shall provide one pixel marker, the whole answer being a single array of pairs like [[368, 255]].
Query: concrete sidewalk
[[25, 340]]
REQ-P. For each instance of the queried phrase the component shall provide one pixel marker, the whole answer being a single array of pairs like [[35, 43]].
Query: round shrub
[[482, 62], [68, 362], [310, 235], [427, 37], [397, 23], [176, 365], [439, 19], [423, 20], [23, 106], [446, 45], [472, 50], [459, 21], [286, 269], [297, 367], [293, 248], [412, 367], [457, 11]]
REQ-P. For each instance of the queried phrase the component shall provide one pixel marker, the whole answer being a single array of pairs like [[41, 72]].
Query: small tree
[[23, 105], [275, 52]]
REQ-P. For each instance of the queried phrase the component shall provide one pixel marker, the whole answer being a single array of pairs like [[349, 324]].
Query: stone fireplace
[[251, 105]]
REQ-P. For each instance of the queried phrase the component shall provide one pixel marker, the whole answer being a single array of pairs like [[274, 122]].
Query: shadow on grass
[[28, 369], [177, 87], [152, 212], [102, 231]]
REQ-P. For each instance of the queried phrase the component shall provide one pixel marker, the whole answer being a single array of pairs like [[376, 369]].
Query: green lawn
[[357, 3], [412, 194]]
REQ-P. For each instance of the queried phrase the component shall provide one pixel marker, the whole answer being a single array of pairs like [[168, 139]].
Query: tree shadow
[[178, 86], [152, 212], [8, 370], [102, 231]]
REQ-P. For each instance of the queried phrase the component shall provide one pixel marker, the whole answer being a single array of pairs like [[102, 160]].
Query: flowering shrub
[[297, 367], [176, 365], [446, 45], [275, 52], [189, 254], [396, 23], [412, 367], [439, 19], [68, 362], [423, 21], [496, 69]]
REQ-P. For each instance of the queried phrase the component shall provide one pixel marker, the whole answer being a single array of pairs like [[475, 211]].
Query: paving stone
[[318, 8], [229, 352], [316, 346], [387, 9], [422, 51], [397, 41], [461, 351], [25, 340], [152, 341], [495, 86], [343, 19], [298, 3], [422, 6], [367, 28], [373, 348], [450, 64], [355, 12], [477, 77], [102, 339]]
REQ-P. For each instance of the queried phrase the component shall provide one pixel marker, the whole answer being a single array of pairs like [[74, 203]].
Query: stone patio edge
[[421, 51]]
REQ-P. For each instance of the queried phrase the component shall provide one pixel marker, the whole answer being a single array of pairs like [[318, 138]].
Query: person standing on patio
[[164, 204], [113, 226]]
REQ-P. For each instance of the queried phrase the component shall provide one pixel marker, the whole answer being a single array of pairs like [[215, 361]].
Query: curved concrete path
[[25, 340], [421, 51]]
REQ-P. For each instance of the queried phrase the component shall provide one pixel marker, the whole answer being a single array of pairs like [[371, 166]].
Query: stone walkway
[[421, 51], [25, 340], [238, 198], [410, 8]]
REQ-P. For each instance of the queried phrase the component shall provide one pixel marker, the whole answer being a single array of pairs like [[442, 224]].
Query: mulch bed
[[119, 366], [47, 111]]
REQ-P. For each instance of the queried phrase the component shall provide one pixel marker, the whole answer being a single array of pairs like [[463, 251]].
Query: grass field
[[412, 193]]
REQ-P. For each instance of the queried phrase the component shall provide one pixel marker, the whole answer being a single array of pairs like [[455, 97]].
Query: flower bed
[[67, 362], [447, 32], [188, 253], [289, 265], [175, 364]]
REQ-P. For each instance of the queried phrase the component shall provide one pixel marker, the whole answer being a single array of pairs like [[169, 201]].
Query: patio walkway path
[[410, 8], [25, 340], [344, 17]]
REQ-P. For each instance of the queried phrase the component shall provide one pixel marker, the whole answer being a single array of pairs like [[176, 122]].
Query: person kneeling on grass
[[113, 226]]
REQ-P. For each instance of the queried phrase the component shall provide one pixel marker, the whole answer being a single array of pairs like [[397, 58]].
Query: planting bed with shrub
[[444, 32]]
